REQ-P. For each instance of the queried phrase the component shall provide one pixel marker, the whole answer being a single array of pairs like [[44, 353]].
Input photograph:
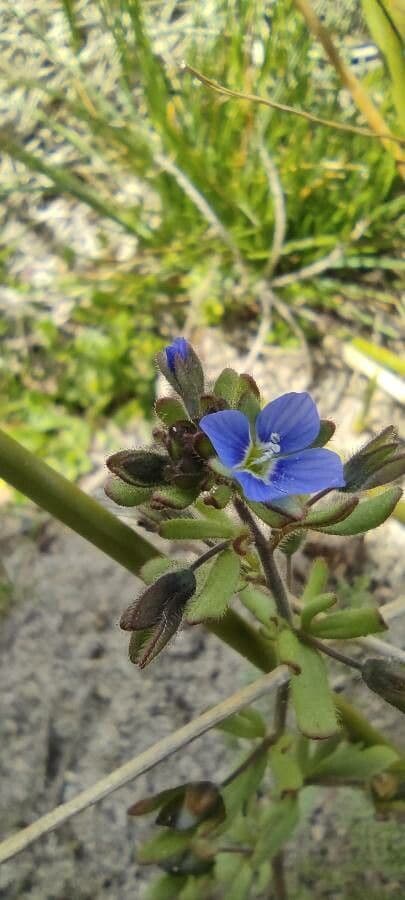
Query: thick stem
[[66, 502], [273, 580]]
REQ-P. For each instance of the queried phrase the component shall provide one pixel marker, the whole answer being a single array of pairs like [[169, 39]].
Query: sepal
[[124, 494], [365, 468], [170, 410], [386, 677], [368, 514], [142, 468]]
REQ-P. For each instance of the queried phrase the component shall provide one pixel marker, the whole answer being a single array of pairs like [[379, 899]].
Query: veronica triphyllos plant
[[243, 482]]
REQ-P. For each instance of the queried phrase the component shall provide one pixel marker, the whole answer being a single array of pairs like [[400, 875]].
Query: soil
[[73, 708]]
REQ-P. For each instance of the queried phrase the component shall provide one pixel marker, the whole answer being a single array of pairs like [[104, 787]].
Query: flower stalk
[[272, 575]]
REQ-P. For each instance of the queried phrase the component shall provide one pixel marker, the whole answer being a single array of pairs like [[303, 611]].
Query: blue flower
[[179, 348], [274, 459]]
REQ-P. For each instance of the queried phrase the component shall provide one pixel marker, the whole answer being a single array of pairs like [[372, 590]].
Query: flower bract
[[274, 458]]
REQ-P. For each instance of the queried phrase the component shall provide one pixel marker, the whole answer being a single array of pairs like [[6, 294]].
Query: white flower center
[[259, 456], [271, 447]]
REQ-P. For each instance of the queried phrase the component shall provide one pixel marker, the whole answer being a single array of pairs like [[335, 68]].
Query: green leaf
[[197, 529], [242, 883], [259, 603], [167, 888], [229, 386], [269, 516], [275, 828], [333, 513], [170, 410], [368, 514], [219, 497], [212, 512], [292, 542], [310, 692], [326, 431], [246, 724], [154, 568], [163, 846], [125, 494], [234, 871], [173, 497], [218, 590], [284, 764], [354, 761], [348, 623], [194, 889], [319, 604], [317, 580], [238, 792]]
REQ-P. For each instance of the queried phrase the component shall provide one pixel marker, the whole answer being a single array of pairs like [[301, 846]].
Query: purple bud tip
[[179, 348]]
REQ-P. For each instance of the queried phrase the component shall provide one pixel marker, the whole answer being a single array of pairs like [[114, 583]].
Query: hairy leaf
[[311, 695]]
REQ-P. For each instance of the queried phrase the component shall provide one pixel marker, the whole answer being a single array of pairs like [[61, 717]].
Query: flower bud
[[169, 593], [386, 677], [181, 366], [200, 800], [375, 464], [156, 615], [142, 468]]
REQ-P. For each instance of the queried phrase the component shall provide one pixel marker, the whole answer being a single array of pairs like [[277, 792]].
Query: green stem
[[38, 481], [246, 640], [273, 580], [66, 502]]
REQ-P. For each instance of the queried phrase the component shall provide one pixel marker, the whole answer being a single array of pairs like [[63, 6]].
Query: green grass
[[199, 221]]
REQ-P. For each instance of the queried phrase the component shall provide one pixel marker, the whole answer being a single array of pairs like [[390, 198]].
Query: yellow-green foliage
[[200, 199]]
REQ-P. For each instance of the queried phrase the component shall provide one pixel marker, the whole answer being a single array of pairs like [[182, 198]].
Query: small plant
[[247, 482]]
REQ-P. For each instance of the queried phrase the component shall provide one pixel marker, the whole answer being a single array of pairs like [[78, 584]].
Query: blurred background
[[138, 204]]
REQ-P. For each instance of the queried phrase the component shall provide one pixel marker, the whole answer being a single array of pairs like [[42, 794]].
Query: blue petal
[[255, 488], [308, 471], [179, 347], [294, 417], [229, 433]]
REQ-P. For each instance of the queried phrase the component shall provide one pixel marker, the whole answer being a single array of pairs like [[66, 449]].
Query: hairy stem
[[280, 710], [330, 651], [278, 883], [263, 747], [206, 556], [273, 580]]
